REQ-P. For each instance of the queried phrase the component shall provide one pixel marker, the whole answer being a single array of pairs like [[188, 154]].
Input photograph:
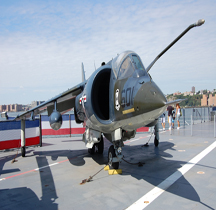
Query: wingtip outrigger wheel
[[156, 139], [156, 142]]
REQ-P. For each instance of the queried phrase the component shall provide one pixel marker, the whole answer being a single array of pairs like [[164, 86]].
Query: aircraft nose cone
[[156, 95], [149, 97]]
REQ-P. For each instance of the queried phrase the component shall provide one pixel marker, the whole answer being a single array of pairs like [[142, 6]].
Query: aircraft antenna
[[94, 65], [83, 73], [198, 23]]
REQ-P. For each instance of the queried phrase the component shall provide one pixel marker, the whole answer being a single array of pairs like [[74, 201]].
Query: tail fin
[[83, 73]]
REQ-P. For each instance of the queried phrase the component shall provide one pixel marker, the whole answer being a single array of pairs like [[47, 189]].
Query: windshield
[[137, 63], [117, 61], [126, 69], [125, 64]]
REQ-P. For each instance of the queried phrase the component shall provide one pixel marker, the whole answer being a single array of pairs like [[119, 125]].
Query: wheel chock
[[115, 171], [112, 171], [106, 168]]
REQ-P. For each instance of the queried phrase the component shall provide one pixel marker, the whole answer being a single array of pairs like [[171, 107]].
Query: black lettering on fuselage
[[127, 97], [123, 98], [128, 93]]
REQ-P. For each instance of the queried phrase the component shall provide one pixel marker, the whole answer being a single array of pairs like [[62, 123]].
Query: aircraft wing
[[170, 103], [65, 102]]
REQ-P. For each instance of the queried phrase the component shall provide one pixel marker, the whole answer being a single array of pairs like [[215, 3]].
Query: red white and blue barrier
[[69, 126], [142, 129], [10, 134], [10, 131]]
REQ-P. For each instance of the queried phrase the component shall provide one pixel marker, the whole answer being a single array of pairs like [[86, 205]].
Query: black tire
[[100, 146], [156, 142], [112, 154], [23, 151], [91, 150]]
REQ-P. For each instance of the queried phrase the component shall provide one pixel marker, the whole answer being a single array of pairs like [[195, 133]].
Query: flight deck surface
[[178, 174]]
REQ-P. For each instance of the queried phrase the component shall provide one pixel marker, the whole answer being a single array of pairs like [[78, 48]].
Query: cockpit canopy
[[125, 64]]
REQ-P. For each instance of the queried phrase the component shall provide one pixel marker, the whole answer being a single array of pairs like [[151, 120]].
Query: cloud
[[43, 44]]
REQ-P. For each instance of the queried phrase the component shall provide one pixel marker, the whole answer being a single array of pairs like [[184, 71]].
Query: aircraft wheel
[[23, 151], [111, 155], [156, 142], [100, 146], [91, 150]]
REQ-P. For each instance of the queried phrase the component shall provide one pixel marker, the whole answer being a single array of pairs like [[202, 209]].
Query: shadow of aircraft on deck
[[24, 197], [158, 166]]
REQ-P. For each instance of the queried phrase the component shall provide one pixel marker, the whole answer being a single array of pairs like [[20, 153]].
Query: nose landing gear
[[114, 157]]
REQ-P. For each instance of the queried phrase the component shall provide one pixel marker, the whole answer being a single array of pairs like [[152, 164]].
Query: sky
[[43, 43]]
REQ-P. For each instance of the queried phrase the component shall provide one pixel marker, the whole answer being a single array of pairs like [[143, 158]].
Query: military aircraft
[[119, 97]]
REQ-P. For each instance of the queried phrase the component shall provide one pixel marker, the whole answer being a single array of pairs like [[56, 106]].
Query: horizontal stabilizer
[[170, 103]]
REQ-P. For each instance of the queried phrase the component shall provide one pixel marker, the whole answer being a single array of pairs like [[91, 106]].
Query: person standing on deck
[[173, 118], [163, 121], [178, 114], [170, 109]]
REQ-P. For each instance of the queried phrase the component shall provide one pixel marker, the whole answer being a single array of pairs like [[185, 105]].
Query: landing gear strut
[[156, 139]]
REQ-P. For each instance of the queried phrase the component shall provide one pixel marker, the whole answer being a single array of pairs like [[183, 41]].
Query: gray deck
[[64, 162]]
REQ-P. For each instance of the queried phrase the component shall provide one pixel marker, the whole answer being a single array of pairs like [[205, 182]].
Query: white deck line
[[148, 198]]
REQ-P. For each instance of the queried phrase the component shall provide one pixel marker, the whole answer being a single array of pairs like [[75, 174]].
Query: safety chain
[[91, 177]]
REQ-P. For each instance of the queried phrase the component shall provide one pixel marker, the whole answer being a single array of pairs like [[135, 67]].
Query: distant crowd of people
[[172, 115]]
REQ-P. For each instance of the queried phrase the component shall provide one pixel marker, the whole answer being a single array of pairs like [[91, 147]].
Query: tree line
[[194, 100]]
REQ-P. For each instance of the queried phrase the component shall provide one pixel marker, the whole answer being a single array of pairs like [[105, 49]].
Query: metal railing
[[193, 116]]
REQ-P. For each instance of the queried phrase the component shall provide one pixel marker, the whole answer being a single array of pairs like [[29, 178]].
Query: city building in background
[[208, 100], [11, 108], [204, 100], [212, 100], [177, 93], [36, 103]]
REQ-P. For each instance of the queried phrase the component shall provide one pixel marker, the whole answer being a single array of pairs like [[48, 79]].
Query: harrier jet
[[118, 98]]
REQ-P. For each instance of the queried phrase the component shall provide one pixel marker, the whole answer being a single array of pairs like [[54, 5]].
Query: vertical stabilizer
[[83, 73]]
